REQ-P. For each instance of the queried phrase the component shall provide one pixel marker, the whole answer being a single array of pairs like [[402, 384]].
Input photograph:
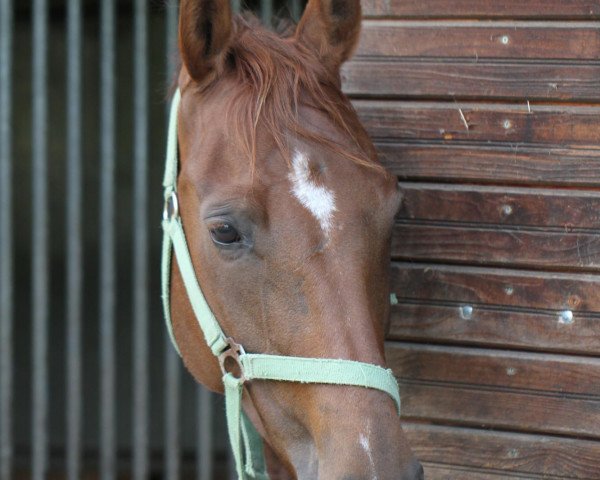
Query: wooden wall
[[489, 113]]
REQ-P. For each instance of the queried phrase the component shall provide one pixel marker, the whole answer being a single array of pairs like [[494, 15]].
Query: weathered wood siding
[[489, 113]]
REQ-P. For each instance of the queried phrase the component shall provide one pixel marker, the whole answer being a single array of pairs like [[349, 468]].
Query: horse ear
[[204, 34], [331, 28]]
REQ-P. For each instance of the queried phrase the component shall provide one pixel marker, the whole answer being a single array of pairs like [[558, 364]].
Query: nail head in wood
[[565, 317], [466, 312]]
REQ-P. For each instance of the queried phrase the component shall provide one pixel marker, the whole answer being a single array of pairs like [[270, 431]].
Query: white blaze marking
[[317, 199], [364, 443]]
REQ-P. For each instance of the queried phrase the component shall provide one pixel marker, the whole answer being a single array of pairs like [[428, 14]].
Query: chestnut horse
[[288, 218]]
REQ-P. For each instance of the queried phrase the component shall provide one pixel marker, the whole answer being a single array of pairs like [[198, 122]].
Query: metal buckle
[[171, 208], [229, 360]]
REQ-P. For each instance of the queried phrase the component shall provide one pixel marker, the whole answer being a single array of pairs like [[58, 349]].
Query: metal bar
[[6, 242], [107, 243], [39, 230], [140, 242], [237, 6], [39, 240], [231, 469], [74, 241], [204, 443], [172, 362], [295, 9], [266, 11], [172, 419]]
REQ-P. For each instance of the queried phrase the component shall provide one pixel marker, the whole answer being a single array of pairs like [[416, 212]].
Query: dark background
[[159, 82]]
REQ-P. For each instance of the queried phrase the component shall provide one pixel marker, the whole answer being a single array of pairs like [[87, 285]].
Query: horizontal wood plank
[[514, 164], [501, 453], [502, 247], [471, 80], [524, 124], [474, 40], [497, 287], [501, 409], [520, 140], [548, 207], [495, 368], [435, 471], [494, 326], [537, 9]]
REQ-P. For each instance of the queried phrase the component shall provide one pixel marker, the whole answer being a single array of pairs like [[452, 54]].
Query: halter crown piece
[[246, 443]]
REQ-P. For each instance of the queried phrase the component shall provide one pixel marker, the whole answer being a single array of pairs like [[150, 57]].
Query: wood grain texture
[[472, 80], [494, 326], [537, 9], [548, 292], [500, 453], [541, 207], [510, 164], [542, 372], [493, 130], [522, 124], [435, 471], [500, 409], [477, 245], [476, 41]]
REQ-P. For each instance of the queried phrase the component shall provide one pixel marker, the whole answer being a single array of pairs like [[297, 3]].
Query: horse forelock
[[273, 76]]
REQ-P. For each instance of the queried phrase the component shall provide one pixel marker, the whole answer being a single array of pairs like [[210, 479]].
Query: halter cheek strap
[[245, 441]]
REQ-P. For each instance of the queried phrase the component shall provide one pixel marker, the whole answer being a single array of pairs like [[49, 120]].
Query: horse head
[[288, 218]]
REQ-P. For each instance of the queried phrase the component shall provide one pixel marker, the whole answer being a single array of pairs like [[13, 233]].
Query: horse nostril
[[420, 473], [414, 471]]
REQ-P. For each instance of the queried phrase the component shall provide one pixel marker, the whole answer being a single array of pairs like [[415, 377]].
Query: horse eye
[[225, 234]]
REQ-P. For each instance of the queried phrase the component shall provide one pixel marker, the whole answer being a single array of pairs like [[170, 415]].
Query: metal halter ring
[[171, 209], [229, 360]]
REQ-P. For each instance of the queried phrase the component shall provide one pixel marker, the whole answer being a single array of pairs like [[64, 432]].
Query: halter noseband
[[245, 440]]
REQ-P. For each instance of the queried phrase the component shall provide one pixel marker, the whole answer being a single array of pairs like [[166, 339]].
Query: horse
[[288, 218]]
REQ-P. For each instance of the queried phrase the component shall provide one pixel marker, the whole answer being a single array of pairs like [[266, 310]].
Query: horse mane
[[273, 75]]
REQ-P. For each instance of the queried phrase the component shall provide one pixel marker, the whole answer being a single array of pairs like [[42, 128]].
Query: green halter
[[245, 441]]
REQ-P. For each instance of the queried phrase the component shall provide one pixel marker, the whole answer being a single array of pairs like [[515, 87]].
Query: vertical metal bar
[[237, 6], [107, 243], [295, 9], [172, 362], [172, 402], [6, 242], [39, 272], [140, 243], [74, 241], [204, 443], [266, 11], [231, 468]]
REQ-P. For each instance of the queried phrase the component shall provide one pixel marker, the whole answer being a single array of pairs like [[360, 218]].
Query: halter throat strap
[[245, 441]]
